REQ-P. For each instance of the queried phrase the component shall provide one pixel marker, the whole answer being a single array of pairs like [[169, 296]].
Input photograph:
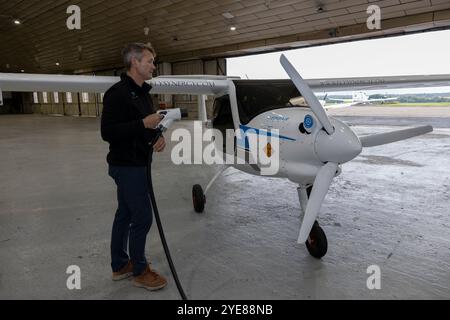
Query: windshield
[[257, 96]]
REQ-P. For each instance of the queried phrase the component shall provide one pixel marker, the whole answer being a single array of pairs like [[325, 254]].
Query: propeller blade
[[318, 193], [384, 138], [307, 93]]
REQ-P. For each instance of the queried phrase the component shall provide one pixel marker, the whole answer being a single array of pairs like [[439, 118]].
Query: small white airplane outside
[[312, 145], [361, 97]]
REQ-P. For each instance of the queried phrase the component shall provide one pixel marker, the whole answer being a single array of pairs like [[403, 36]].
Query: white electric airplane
[[312, 145]]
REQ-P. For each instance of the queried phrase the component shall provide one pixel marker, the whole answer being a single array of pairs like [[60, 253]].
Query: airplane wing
[[54, 82], [203, 84], [300, 101], [79, 83], [332, 99], [372, 83], [381, 100], [339, 105]]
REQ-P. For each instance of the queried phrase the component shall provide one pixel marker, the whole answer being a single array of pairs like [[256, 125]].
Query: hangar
[[58, 203]]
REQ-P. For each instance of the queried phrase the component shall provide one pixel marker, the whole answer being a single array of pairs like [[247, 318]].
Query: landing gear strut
[[199, 197]]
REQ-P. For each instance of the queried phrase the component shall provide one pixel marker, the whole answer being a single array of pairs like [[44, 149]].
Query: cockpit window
[[257, 96], [222, 117]]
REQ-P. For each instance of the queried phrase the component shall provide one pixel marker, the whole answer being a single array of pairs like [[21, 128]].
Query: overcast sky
[[423, 53]]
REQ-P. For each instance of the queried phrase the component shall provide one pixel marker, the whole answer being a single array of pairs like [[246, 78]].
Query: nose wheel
[[316, 243], [198, 198]]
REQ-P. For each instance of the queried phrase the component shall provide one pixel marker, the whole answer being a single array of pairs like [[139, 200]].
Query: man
[[127, 123]]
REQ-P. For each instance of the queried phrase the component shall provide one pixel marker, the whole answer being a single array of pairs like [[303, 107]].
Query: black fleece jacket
[[125, 104]]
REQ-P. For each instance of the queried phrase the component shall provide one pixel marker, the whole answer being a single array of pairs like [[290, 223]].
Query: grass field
[[418, 104]]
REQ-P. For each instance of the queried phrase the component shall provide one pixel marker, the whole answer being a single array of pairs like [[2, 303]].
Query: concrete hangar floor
[[389, 208]]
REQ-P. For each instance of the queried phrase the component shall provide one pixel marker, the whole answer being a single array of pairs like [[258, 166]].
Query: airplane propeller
[[307, 93], [318, 193], [384, 138], [334, 147]]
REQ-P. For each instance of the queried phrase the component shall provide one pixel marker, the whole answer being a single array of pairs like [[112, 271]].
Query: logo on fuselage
[[277, 117], [308, 122]]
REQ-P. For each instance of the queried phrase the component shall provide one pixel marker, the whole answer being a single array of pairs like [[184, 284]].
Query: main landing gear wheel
[[198, 198], [317, 244]]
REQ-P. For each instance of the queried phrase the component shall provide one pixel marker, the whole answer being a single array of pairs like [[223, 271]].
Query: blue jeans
[[133, 218]]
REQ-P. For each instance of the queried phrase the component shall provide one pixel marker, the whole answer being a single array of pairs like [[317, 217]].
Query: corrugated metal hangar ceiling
[[182, 29]]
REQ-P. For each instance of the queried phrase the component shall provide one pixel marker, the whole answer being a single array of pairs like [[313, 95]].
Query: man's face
[[145, 66]]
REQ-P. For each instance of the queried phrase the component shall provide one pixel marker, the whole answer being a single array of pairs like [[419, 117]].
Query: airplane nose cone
[[342, 146]]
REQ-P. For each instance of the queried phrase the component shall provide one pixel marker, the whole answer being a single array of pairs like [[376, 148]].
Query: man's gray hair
[[135, 50]]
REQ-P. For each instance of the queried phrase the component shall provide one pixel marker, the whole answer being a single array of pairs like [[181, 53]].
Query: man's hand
[[152, 120], [159, 145]]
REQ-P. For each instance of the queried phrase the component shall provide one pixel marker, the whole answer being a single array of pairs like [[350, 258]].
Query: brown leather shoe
[[150, 280], [123, 273]]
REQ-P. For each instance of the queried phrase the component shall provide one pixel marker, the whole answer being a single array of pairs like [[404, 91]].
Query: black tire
[[198, 198], [317, 243]]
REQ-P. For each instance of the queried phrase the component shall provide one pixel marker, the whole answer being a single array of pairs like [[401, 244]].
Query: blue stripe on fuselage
[[241, 143]]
